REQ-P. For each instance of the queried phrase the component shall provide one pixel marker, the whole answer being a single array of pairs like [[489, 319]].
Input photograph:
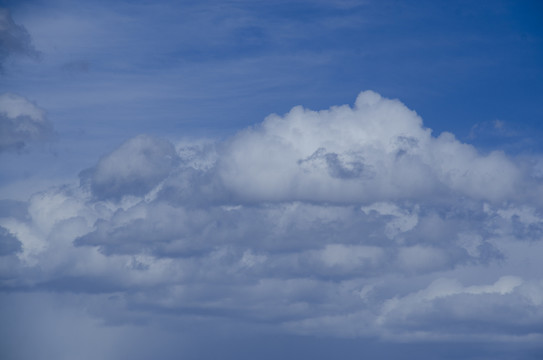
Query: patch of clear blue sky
[[114, 69]]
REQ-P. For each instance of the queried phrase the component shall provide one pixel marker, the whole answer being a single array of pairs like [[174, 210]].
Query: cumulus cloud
[[351, 222], [21, 122], [14, 39], [376, 150]]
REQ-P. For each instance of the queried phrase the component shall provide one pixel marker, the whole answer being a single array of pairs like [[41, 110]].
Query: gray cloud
[[133, 169], [8, 243], [14, 39], [349, 222], [21, 122]]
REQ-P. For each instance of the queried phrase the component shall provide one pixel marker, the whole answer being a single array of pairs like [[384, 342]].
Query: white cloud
[[377, 150], [352, 221]]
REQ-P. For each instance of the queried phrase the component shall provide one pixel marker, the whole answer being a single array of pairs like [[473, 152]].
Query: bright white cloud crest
[[374, 151], [352, 221]]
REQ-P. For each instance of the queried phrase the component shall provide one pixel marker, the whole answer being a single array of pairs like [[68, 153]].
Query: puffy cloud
[[21, 122], [14, 39], [352, 221], [377, 150]]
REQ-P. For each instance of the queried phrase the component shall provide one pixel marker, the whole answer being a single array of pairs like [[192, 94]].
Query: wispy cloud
[[14, 39]]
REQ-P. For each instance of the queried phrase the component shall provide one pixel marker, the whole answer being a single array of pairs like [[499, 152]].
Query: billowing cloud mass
[[354, 221], [21, 122], [14, 39], [377, 150]]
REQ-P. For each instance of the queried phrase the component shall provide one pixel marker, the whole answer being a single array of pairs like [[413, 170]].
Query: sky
[[271, 179]]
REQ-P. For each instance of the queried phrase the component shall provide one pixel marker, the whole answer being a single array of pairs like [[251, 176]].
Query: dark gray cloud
[[14, 39]]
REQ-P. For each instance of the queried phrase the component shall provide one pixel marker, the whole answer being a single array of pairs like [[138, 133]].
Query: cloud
[[133, 169], [509, 306], [21, 122], [377, 150], [8, 243], [14, 39], [347, 222]]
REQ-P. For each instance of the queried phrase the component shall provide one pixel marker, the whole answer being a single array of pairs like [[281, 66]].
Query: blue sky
[[271, 178]]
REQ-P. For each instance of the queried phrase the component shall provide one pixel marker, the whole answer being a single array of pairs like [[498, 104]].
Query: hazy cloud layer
[[351, 222]]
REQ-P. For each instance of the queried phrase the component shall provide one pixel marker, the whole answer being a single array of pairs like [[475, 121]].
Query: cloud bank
[[354, 221]]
